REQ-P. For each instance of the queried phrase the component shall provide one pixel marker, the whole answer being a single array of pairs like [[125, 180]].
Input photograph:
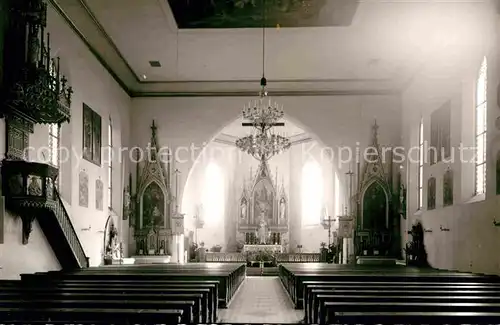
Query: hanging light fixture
[[263, 115]]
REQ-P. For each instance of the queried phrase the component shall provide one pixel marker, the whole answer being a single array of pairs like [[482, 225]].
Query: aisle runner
[[261, 300]]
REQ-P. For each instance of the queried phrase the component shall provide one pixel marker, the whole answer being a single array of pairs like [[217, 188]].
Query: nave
[[318, 293]]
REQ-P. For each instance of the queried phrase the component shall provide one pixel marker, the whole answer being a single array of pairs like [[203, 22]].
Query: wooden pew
[[293, 276], [99, 315], [207, 311], [185, 306], [145, 283], [230, 276], [310, 307], [404, 300], [412, 308], [159, 291], [424, 317]]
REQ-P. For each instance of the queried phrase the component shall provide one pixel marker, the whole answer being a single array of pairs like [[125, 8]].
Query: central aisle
[[261, 299]]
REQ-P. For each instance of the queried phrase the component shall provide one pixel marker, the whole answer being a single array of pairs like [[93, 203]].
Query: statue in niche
[[402, 201], [282, 208], [431, 193], [262, 229], [153, 206], [243, 208], [126, 203], [448, 188]]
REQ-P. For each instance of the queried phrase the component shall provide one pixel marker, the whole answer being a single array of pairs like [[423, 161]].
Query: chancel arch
[[259, 202]]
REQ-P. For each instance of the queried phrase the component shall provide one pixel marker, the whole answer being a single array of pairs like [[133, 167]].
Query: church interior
[[249, 161]]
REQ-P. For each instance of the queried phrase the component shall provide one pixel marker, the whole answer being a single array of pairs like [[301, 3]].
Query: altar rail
[[280, 257]]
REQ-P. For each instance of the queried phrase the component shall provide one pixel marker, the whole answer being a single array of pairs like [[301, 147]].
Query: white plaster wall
[[94, 86], [472, 242]]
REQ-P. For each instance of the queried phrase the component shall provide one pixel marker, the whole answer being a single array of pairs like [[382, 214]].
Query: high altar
[[263, 214]]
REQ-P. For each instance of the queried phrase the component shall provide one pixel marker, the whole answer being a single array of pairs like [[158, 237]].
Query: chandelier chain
[[263, 115]]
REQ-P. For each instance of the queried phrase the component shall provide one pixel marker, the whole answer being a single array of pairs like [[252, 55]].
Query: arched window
[[480, 128], [420, 164], [312, 193], [54, 145], [213, 194]]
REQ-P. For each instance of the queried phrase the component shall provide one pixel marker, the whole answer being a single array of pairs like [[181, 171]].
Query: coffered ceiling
[[367, 47]]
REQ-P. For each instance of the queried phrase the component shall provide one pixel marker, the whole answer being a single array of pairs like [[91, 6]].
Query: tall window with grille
[[480, 128], [54, 143], [110, 164], [420, 163]]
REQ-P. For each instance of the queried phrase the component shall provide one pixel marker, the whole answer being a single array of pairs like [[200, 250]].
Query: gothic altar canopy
[[263, 205]]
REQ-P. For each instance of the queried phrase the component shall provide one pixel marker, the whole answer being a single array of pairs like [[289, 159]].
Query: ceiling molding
[[287, 93], [83, 25], [87, 43], [107, 37]]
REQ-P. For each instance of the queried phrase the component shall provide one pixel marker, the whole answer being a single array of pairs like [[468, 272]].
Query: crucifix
[[327, 224]]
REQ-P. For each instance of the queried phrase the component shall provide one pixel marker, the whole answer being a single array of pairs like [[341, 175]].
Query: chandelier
[[263, 115]]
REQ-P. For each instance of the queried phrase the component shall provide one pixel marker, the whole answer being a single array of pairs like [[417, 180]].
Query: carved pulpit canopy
[[36, 90], [153, 193]]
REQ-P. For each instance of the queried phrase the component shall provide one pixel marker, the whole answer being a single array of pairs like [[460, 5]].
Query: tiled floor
[[261, 300]]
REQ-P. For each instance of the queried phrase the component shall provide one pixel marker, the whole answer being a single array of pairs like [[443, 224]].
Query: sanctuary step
[[375, 260]]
